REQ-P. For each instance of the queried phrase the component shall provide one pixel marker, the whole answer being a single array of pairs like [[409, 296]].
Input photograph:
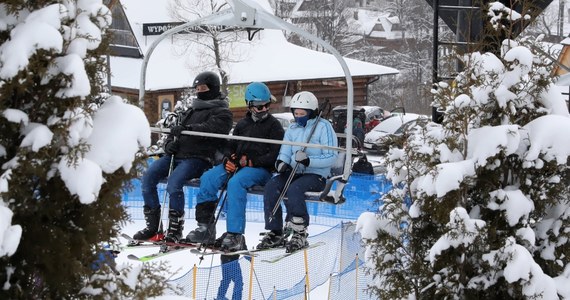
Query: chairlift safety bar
[[249, 139], [249, 15]]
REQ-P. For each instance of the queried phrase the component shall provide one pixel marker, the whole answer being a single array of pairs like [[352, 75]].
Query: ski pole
[[157, 237], [170, 118], [292, 175]]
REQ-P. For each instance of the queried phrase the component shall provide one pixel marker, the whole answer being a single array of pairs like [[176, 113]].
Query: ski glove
[[177, 130], [229, 164], [171, 148], [282, 166], [302, 158]]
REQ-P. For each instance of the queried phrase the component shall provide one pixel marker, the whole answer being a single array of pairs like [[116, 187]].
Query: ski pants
[[246, 177], [295, 202], [182, 171]]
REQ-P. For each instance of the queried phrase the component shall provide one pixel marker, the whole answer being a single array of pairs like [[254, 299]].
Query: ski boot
[[152, 218], [299, 239], [233, 242], [204, 233], [175, 226], [272, 239]]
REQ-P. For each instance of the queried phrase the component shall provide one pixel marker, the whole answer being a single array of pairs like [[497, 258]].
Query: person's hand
[[171, 148], [229, 164], [302, 158], [282, 166], [177, 130]]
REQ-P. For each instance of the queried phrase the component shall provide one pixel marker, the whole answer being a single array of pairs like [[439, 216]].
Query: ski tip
[[133, 257]]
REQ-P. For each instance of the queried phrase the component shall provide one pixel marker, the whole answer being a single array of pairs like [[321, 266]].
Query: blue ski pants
[[295, 202], [182, 171], [246, 177]]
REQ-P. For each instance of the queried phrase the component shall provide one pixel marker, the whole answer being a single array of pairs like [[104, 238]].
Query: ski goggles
[[258, 104]]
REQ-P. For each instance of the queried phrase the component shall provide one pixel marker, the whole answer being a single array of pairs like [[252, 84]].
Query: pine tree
[[507, 204], [61, 236]]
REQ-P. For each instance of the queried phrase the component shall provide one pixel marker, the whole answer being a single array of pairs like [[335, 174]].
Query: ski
[[154, 255], [137, 246], [211, 251], [284, 255], [138, 243]]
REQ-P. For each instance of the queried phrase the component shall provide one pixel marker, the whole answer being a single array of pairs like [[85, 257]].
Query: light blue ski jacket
[[321, 160]]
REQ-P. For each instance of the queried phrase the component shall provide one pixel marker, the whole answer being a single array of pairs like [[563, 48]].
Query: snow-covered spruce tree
[[481, 209], [51, 65]]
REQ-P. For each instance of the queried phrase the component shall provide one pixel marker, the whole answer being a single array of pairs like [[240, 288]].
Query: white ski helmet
[[305, 100]]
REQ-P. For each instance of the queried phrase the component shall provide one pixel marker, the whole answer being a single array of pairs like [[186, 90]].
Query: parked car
[[285, 118], [377, 139], [365, 114]]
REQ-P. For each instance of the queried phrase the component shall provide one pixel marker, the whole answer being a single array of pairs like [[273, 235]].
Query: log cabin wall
[[332, 89]]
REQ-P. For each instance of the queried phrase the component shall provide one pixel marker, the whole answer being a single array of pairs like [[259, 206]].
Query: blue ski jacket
[[320, 160]]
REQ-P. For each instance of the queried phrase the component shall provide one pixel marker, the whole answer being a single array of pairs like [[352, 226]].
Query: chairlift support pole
[[249, 15]]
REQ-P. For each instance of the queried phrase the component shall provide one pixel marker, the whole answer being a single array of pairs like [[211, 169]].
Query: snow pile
[[9, 234]]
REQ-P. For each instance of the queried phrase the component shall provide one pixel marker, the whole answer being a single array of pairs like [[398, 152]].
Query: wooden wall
[[564, 59], [332, 89]]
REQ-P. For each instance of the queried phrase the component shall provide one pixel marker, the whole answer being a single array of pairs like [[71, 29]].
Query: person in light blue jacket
[[313, 168]]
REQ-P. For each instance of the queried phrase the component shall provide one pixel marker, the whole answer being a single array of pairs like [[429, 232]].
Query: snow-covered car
[[376, 139], [285, 118]]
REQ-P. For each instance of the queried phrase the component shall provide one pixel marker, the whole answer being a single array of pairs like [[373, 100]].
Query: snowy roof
[[367, 20], [269, 57]]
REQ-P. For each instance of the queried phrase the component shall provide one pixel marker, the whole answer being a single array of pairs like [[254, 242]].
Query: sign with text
[[160, 28], [236, 93]]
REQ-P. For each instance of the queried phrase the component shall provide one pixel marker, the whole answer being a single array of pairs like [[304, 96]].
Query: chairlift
[[250, 16]]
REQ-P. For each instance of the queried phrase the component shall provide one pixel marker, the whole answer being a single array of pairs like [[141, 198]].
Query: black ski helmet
[[210, 79]]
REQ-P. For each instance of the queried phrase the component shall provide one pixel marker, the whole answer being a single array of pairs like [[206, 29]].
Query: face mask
[[211, 94], [258, 116], [302, 120]]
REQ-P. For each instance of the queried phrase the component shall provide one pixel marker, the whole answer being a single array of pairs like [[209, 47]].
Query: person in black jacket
[[192, 155], [246, 164]]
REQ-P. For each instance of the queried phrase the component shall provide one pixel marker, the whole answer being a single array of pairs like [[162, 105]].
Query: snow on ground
[[182, 262]]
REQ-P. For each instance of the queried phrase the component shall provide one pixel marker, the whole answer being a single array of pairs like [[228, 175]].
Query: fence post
[[342, 225], [194, 270], [330, 286], [356, 273], [251, 278], [307, 283]]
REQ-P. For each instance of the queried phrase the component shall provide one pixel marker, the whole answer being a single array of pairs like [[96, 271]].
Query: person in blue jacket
[[314, 166]]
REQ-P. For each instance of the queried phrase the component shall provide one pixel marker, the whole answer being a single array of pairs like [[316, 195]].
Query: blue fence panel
[[362, 193]]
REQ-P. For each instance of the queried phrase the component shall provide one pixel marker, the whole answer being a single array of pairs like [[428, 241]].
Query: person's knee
[[174, 188], [208, 176]]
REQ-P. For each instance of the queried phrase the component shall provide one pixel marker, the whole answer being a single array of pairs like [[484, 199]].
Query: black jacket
[[261, 154], [215, 118]]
